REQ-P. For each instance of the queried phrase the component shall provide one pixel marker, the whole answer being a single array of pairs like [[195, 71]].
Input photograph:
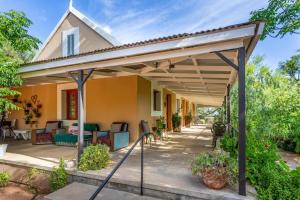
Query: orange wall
[[112, 99], [108, 100], [144, 100], [46, 94]]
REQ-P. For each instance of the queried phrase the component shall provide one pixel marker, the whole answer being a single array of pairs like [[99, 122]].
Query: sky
[[136, 20]]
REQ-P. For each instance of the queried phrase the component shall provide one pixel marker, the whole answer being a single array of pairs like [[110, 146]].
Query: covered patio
[[166, 163], [200, 66]]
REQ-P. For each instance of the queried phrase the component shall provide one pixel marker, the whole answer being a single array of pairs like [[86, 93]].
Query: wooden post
[[242, 122]]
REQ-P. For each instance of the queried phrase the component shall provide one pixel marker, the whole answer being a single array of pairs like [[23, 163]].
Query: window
[[156, 100], [71, 104], [70, 44]]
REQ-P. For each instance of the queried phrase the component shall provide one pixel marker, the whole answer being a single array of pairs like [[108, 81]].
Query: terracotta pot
[[214, 178]]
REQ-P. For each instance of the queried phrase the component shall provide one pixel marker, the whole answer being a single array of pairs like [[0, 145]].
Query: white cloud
[[135, 21]]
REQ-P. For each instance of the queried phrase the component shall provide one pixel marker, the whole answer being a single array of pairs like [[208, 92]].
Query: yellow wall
[[144, 100], [113, 99], [46, 94], [108, 100]]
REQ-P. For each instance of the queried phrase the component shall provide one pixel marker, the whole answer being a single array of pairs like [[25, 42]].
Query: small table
[[24, 133]]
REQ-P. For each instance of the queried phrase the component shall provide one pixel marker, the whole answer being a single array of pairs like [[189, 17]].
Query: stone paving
[[166, 163]]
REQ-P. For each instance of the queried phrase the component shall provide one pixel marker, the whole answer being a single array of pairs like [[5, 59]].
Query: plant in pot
[[216, 169], [176, 121]]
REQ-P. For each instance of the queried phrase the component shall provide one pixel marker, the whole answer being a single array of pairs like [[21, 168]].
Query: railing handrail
[[105, 181]]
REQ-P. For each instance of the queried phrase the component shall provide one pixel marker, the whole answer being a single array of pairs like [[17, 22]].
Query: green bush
[[58, 177], [94, 157], [4, 179], [229, 144], [216, 159], [266, 170]]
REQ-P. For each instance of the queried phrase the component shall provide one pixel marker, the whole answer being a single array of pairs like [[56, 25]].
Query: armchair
[[45, 135], [116, 138]]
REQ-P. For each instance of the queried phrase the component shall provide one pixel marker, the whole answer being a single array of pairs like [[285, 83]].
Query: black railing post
[[142, 166], [242, 121], [228, 110]]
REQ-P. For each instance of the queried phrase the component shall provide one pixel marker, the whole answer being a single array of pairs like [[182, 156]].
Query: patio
[[166, 163]]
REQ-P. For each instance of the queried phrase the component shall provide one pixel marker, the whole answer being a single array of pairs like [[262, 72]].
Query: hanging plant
[[28, 105]]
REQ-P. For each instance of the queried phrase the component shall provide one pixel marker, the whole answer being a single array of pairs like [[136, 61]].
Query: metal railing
[[141, 138]]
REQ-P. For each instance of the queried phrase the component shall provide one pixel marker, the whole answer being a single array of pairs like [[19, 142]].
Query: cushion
[[116, 128], [73, 129], [50, 126], [89, 126]]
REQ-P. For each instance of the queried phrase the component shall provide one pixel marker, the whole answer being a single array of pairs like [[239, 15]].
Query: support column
[[242, 122], [80, 79], [224, 104], [228, 110], [80, 141]]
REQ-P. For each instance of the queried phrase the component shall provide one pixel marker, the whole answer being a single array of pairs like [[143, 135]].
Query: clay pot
[[214, 178]]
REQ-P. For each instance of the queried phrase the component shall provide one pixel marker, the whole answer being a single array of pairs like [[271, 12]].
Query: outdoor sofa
[[70, 137], [116, 138]]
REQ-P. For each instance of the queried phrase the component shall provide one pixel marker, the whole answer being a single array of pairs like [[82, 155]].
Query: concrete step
[[80, 191]]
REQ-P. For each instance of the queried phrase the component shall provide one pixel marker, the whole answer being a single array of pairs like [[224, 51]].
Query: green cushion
[[89, 126]]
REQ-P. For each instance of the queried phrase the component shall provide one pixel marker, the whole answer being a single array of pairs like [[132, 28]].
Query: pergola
[[201, 66]]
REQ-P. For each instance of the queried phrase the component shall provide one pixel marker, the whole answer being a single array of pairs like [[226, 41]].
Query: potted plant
[[176, 122], [216, 169]]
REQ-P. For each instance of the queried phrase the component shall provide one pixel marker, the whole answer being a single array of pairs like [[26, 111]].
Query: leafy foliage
[[216, 159], [281, 17], [4, 179], [16, 47], [272, 111], [176, 120], [291, 67], [58, 177], [94, 157]]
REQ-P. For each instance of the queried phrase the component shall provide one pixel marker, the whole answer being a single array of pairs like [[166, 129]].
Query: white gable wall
[[89, 39]]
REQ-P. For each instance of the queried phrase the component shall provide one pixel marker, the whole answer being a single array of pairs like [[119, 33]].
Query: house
[[138, 81], [111, 94]]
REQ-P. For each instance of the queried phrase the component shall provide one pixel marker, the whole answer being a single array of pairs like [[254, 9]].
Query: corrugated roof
[[147, 42]]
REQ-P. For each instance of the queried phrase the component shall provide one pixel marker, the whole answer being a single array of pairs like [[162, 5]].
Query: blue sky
[[135, 20]]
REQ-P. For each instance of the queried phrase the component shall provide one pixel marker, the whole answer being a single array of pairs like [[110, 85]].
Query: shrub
[[58, 177], [229, 144], [4, 179], [214, 160], [94, 157]]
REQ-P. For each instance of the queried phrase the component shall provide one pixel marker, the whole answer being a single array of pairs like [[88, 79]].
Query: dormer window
[[70, 42]]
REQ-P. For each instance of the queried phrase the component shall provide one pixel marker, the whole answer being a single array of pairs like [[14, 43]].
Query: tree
[[291, 67], [281, 17], [16, 48]]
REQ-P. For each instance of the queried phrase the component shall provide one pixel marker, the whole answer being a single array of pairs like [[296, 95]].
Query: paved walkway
[[166, 163]]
